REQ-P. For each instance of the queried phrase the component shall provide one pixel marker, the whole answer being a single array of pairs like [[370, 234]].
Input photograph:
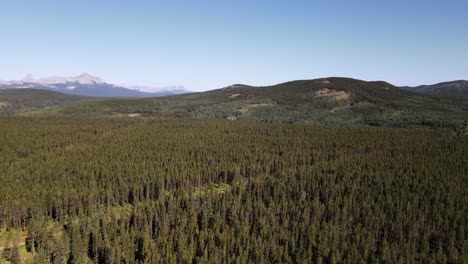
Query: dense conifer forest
[[134, 190]]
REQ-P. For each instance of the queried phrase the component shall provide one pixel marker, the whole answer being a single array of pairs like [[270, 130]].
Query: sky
[[205, 45]]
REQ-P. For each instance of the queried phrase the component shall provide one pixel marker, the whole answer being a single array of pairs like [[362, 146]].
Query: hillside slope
[[455, 88], [14, 101], [330, 101]]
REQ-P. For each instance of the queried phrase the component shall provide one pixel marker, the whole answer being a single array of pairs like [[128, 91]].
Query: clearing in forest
[[332, 94]]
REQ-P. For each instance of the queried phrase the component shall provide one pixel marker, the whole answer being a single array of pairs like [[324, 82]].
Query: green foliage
[[331, 101], [453, 89], [13, 101], [12, 246], [135, 190], [42, 258]]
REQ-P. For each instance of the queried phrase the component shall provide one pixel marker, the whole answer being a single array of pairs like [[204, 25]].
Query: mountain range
[[87, 85], [327, 101]]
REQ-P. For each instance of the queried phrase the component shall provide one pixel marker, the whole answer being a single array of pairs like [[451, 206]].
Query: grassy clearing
[[212, 189], [246, 108], [7, 240]]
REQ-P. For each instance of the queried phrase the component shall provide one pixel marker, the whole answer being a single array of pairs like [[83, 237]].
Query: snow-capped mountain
[[83, 78], [85, 84]]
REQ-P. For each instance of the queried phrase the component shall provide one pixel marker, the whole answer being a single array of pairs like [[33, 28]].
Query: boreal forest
[[233, 132], [195, 191]]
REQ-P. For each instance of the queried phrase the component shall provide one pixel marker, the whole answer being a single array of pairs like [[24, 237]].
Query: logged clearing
[[332, 94]]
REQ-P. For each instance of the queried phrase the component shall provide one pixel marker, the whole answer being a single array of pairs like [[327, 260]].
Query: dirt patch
[[235, 95], [332, 94], [246, 108]]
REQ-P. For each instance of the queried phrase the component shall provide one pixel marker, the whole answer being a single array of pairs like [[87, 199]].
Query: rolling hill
[[329, 101], [455, 88], [14, 101]]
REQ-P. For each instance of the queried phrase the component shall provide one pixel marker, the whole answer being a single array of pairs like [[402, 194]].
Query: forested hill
[[13, 101], [334, 101], [455, 89]]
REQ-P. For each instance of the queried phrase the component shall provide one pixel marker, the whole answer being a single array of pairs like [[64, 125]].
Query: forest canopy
[[134, 190]]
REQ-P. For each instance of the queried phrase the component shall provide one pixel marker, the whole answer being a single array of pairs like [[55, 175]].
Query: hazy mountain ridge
[[83, 84], [453, 88]]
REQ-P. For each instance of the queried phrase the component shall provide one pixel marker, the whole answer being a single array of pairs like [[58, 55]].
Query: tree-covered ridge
[[453, 89], [186, 190], [14, 101], [329, 101]]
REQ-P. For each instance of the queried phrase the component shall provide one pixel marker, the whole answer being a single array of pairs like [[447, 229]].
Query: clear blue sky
[[210, 44]]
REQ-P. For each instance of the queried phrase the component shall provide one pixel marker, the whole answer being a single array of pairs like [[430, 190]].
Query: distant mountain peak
[[28, 78], [83, 78], [85, 75], [89, 85]]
